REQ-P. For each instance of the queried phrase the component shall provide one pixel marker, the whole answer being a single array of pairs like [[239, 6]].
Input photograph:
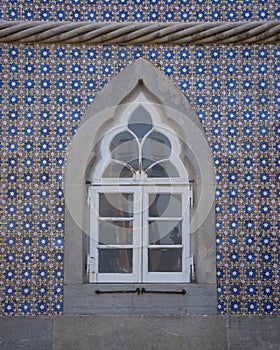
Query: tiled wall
[[140, 10], [44, 93]]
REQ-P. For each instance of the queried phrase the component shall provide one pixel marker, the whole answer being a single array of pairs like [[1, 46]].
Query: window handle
[[140, 291], [182, 291], [124, 291]]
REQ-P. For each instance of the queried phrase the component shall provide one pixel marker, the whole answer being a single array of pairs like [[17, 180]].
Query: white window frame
[[167, 277], [140, 245], [94, 276]]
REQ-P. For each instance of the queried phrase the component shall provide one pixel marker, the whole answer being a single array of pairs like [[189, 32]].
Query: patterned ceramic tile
[[44, 93], [140, 10]]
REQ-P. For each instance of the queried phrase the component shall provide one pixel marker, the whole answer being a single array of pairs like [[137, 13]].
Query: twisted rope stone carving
[[140, 33]]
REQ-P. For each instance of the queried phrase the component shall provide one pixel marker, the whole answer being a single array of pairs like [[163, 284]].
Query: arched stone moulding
[[101, 115]]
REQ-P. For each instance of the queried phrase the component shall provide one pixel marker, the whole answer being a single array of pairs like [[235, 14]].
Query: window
[[142, 166], [140, 198]]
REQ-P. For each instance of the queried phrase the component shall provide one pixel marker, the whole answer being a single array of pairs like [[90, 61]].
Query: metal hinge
[[90, 264], [191, 196], [190, 263], [89, 196]]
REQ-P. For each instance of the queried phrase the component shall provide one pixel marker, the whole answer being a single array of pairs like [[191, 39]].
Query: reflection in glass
[[156, 147], [156, 170], [116, 204], [163, 169], [115, 261], [165, 205], [140, 122], [146, 163], [115, 232], [117, 170], [134, 163], [165, 260], [124, 147], [165, 232]]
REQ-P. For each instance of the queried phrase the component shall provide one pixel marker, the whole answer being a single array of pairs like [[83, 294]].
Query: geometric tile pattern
[[140, 10], [44, 92]]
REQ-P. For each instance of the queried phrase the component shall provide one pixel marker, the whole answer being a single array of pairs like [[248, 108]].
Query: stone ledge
[[82, 299]]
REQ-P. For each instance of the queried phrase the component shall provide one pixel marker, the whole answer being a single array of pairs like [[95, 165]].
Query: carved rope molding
[[267, 32]]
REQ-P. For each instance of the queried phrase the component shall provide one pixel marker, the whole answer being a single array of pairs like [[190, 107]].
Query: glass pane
[[117, 170], [164, 169], [156, 147], [115, 261], [135, 164], [165, 232], [165, 260], [140, 122], [165, 205], [116, 204], [146, 163], [124, 147], [115, 232]]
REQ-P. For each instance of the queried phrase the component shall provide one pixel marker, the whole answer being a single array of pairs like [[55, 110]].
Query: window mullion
[[138, 232], [145, 232], [93, 258]]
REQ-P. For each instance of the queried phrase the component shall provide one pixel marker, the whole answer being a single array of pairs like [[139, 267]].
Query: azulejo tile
[[44, 93], [146, 10]]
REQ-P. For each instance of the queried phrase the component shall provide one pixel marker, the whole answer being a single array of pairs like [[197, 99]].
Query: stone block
[[140, 332], [254, 332], [26, 333]]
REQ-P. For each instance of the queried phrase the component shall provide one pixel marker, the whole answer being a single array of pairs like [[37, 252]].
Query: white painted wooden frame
[[140, 244], [167, 277], [96, 276]]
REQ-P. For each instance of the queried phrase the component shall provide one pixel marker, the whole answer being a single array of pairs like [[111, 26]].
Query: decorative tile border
[[140, 10]]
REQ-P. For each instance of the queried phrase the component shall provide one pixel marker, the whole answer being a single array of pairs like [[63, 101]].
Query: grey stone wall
[[83, 300], [140, 332]]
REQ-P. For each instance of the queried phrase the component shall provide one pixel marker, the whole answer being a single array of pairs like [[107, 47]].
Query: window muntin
[[149, 154], [139, 150]]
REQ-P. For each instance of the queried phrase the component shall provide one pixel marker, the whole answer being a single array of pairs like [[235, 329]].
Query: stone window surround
[[79, 296]]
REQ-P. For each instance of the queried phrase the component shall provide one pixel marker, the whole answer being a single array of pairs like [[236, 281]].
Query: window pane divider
[[157, 218], [163, 246], [114, 218], [114, 246], [158, 181]]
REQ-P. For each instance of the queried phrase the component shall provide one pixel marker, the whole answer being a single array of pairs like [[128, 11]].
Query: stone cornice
[[148, 33]]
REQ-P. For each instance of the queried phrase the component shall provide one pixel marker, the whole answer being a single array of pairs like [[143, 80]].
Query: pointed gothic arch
[[140, 78]]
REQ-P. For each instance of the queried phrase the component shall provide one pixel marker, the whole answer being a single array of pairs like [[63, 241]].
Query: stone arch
[[100, 115]]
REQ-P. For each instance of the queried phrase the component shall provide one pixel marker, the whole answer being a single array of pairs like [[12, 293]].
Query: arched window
[[140, 198]]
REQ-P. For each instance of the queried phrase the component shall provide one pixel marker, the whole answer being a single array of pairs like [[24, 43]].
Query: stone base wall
[[140, 332]]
